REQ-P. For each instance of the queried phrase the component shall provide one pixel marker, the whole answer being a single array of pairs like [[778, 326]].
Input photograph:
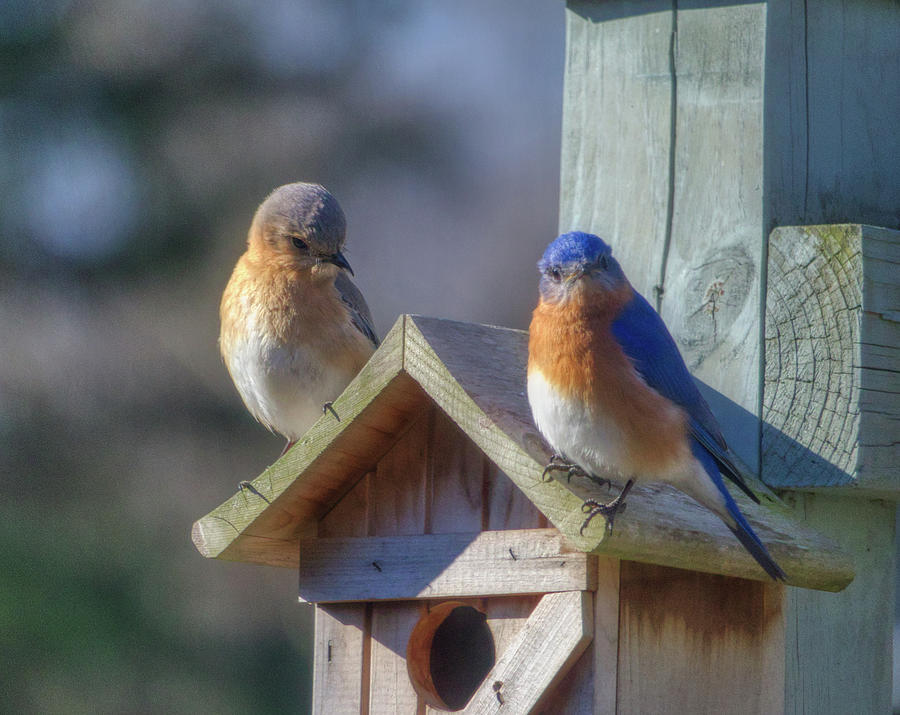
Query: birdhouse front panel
[[654, 628], [434, 480]]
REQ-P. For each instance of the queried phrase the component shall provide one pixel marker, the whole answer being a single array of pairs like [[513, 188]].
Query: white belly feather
[[284, 388], [595, 443], [590, 439]]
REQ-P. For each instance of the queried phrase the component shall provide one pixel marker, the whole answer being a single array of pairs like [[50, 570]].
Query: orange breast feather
[[571, 344], [293, 310]]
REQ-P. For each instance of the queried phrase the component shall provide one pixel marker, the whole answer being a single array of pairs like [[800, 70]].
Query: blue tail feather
[[742, 530]]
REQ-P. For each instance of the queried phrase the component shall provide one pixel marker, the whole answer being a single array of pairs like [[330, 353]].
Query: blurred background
[[137, 139]]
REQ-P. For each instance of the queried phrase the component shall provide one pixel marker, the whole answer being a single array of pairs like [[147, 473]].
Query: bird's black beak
[[341, 262]]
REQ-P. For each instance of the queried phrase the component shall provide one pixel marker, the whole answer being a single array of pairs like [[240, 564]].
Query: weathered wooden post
[[831, 429], [691, 131]]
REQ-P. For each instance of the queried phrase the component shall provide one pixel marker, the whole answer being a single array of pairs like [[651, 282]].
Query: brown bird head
[[302, 226]]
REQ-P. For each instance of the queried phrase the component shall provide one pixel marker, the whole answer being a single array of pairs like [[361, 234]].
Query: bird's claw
[[609, 510], [558, 463], [599, 481], [592, 508], [250, 488], [555, 464], [576, 471], [329, 407]]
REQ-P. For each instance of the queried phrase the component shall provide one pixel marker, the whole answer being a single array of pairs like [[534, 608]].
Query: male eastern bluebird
[[609, 389], [295, 330]]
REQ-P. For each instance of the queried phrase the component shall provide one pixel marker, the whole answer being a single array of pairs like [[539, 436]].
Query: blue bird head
[[574, 260]]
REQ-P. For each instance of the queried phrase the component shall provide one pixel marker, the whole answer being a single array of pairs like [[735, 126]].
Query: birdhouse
[[449, 573]]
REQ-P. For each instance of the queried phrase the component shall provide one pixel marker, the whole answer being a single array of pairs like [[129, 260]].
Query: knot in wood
[[712, 296]]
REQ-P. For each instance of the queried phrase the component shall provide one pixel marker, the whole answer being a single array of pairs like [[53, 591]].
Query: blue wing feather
[[646, 341]]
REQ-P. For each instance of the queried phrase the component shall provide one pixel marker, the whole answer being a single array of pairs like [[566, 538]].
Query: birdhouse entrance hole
[[450, 651]]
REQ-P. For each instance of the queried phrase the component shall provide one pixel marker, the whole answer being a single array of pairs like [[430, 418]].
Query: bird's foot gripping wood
[[608, 510], [558, 463], [329, 407], [253, 490]]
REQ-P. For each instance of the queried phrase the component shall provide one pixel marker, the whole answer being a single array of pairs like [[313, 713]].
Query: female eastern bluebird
[[295, 330], [609, 389]]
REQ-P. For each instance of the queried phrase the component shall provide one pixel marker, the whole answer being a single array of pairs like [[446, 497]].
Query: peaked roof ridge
[[476, 375]]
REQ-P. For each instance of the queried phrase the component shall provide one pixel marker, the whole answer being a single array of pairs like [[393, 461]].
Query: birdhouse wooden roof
[[475, 375]]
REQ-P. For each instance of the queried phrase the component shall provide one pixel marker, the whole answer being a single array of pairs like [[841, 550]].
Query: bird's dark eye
[[555, 274], [604, 261], [300, 244]]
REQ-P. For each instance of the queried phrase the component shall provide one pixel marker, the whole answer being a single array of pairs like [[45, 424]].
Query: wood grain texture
[[442, 566], [552, 639], [607, 609], [507, 615], [661, 156], [832, 382], [506, 505], [397, 508], [390, 689], [729, 119], [398, 494], [463, 490], [575, 692], [476, 375], [506, 618], [781, 113], [838, 647], [339, 676], [457, 477], [712, 273], [698, 643], [617, 116], [832, 97], [590, 686], [350, 516]]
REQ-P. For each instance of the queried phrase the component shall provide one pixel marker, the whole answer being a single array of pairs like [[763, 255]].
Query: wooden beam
[[477, 564], [555, 635], [591, 685], [838, 647], [662, 129], [712, 266], [831, 101], [832, 379], [390, 690], [340, 677], [673, 530], [616, 161]]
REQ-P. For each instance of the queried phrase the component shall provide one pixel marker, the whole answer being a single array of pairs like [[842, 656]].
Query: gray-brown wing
[[359, 311]]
